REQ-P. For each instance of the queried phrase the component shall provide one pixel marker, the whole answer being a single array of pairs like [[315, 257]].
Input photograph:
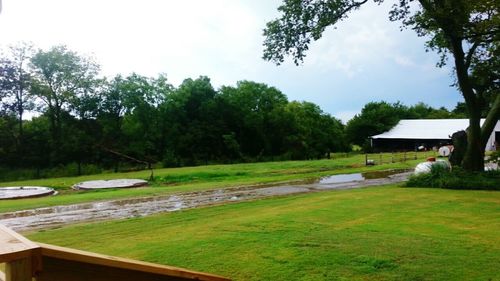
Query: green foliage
[[375, 118], [300, 23], [441, 177], [132, 120], [70, 170], [15, 82], [467, 30], [494, 157], [115, 122]]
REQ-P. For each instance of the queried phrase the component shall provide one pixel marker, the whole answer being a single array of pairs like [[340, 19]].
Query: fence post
[[366, 159], [392, 157], [380, 157]]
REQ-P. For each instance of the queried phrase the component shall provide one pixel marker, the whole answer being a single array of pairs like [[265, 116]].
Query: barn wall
[[494, 142], [388, 145]]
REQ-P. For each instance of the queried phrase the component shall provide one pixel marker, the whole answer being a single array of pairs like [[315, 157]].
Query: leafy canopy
[[468, 30]]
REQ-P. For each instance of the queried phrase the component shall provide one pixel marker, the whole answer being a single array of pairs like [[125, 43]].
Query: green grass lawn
[[378, 233], [196, 179]]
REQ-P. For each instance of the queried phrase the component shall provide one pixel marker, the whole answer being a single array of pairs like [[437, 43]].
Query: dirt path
[[50, 217]]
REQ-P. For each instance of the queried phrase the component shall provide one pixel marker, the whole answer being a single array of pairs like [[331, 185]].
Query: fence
[[25, 260], [394, 157]]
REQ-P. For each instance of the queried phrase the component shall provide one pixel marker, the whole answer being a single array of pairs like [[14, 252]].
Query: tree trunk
[[490, 121], [474, 155]]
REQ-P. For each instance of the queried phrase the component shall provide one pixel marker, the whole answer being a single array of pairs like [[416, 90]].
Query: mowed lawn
[[378, 233], [187, 179]]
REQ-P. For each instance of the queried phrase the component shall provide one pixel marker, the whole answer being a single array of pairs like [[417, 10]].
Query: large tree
[[14, 82], [252, 111], [468, 30], [60, 77], [375, 118]]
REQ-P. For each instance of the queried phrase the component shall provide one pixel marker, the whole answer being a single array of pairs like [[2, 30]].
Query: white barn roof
[[425, 129]]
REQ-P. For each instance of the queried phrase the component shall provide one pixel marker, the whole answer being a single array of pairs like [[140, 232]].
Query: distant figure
[[459, 146]]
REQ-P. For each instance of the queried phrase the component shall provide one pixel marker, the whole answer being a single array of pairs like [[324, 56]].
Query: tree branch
[[354, 5], [470, 54], [490, 121]]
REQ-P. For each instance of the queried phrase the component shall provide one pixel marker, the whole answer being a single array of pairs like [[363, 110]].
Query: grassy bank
[[196, 179], [381, 233]]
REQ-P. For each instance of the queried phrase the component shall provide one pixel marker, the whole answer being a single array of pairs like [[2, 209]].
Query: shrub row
[[457, 178]]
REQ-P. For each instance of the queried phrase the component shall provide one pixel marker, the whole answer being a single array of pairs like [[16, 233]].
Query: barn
[[429, 133]]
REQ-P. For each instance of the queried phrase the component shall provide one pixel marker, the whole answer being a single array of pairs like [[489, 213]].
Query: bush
[[70, 170], [494, 157], [440, 177]]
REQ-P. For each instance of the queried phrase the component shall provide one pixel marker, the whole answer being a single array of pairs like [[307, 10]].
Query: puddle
[[137, 207], [341, 178], [360, 176]]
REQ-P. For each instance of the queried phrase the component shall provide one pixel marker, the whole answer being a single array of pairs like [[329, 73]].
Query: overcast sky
[[367, 58]]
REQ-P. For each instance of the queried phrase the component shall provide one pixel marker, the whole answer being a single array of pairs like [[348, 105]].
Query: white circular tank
[[425, 167]]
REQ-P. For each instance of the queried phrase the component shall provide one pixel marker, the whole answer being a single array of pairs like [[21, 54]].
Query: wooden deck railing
[[26, 261]]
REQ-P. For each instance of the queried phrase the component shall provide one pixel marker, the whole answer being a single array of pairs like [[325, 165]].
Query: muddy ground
[[50, 217]]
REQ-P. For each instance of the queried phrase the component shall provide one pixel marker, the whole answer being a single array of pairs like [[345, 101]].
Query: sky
[[366, 58]]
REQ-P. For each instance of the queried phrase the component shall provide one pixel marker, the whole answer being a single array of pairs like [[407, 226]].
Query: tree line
[[87, 119]]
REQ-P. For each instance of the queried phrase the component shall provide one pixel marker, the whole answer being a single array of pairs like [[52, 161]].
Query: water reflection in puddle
[[359, 176], [341, 178]]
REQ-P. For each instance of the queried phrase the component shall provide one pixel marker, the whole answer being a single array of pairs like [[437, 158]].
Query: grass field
[[379, 233], [195, 179]]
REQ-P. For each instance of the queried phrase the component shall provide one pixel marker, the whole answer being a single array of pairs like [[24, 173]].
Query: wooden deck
[[26, 261]]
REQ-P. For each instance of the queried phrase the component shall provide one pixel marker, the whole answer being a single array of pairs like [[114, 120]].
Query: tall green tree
[[253, 113], [468, 30], [375, 118], [315, 134], [195, 133], [141, 98], [59, 77], [15, 81]]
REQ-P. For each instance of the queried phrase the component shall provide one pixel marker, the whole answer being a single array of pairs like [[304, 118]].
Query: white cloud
[[366, 55], [404, 61]]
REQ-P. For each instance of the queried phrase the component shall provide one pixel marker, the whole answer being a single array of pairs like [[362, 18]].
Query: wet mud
[[51, 217]]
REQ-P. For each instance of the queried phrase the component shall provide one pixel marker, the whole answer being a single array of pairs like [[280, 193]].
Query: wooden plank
[[14, 246], [19, 270], [53, 256], [65, 270]]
